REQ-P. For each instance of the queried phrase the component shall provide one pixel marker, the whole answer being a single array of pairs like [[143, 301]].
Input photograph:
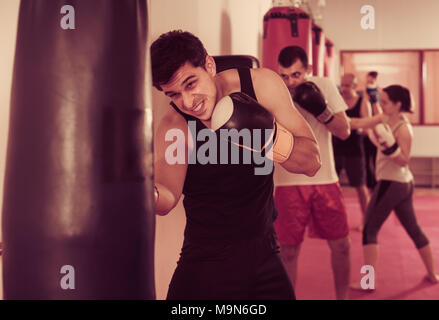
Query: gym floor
[[401, 269]]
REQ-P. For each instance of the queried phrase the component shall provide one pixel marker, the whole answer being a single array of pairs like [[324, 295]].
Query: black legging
[[388, 196], [370, 154]]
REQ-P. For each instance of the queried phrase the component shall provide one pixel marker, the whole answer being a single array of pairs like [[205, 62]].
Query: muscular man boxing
[[230, 248]]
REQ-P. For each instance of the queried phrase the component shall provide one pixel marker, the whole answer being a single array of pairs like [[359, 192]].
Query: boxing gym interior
[[78, 115]]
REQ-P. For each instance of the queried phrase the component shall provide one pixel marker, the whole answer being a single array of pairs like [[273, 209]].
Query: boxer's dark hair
[[289, 55], [398, 93], [171, 51], [373, 74]]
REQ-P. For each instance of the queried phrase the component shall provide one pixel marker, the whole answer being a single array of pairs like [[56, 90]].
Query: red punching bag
[[329, 59], [78, 213], [284, 26], [318, 51]]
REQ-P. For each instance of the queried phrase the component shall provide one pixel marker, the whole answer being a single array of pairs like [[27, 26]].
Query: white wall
[[422, 143], [399, 24]]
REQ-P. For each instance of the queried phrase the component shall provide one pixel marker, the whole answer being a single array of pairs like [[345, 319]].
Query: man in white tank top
[[315, 201]]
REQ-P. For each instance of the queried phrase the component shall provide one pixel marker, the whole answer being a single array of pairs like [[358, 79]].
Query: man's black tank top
[[226, 202], [352, 146]]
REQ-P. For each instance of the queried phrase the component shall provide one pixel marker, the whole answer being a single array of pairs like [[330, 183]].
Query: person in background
[[394, 189], [349, 153], [372, 91], [315, 202], [370, 150]]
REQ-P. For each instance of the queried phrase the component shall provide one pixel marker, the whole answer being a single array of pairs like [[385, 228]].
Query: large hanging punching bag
[[78, 218], [285, 26]]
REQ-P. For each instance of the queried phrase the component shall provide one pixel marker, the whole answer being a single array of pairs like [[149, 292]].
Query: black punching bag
[[78, 217]]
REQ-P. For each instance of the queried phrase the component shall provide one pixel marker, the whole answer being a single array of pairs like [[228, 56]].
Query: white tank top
[[387, 169], [327, 173]]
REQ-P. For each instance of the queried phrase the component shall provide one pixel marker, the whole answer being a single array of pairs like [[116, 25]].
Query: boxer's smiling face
[[192, 89]]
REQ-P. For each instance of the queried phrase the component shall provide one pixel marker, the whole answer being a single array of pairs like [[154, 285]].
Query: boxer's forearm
[[339, 126], [304, 158], [366, 123]]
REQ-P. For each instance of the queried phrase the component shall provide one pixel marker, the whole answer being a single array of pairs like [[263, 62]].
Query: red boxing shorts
[[320, 206]]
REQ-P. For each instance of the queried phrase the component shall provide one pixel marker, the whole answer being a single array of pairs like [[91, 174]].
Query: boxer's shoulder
[[264, 78], [269, 88]]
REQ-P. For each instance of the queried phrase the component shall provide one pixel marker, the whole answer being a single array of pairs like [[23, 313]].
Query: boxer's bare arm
[[339, 126], [169, 177], [366, 108], [369, 122], [404, 137], [272, 93]]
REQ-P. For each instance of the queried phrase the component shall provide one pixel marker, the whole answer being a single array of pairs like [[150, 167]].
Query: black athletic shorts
[[242, 270]]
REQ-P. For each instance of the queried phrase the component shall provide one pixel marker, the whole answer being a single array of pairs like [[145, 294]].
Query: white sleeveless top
[[327, 173], [387, 169]]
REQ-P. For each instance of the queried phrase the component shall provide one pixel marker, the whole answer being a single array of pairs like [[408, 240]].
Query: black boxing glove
[[309, 97], [239, 111]]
